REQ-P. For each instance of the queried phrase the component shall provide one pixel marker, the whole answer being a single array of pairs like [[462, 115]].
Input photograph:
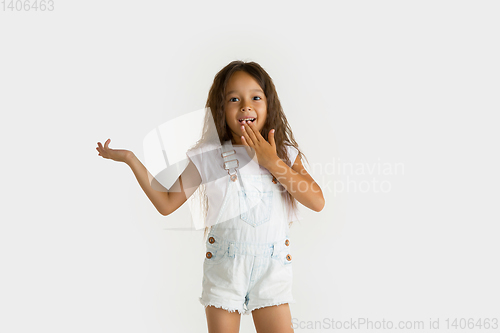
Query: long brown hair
[[275, 117]]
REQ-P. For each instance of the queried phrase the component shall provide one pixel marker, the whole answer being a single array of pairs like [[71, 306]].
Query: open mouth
[[250, 119]]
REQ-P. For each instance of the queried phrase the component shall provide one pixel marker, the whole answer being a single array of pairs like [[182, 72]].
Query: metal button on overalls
[[211, 240], [287, 242], [209, 255], [288, 257]]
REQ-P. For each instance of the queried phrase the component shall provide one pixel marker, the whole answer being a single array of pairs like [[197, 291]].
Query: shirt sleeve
[[292, 154], [208, 161], [196, 156], [293, 215]]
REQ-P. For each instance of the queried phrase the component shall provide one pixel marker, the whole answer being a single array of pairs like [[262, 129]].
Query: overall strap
[[230, 161]]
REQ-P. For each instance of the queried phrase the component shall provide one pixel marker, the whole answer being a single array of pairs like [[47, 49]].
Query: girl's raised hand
[[265, 151], [119, 155]]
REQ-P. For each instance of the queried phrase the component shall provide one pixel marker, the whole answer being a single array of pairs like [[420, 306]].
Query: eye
[[231, 99], [258, 97]]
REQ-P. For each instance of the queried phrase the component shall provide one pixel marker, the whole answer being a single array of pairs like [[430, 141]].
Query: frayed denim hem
[[220, 306], [268, 304]]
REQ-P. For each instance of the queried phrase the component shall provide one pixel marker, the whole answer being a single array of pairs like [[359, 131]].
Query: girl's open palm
[[119, 155]]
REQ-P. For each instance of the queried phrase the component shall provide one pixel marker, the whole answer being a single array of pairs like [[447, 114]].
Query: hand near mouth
[[265, 151]]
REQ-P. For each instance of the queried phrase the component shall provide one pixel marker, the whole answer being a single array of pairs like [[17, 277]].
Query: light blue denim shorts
[[242, 277]]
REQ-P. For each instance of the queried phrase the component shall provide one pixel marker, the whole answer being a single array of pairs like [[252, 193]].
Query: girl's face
[[244, 99]]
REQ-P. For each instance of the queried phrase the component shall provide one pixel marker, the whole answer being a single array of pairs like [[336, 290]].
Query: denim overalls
[[248, 260]]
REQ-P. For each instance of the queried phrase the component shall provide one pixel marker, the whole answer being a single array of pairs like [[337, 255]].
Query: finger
[[99, 149], [107, 143], [250, 132], [253, 131], [271, 138], [102, 150], [258, 136], [247, 137]]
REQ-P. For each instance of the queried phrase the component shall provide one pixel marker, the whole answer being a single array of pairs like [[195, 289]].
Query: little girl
[[248, 261]]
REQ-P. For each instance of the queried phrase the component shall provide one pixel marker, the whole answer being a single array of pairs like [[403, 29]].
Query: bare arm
[[299, 183], [165, 201]]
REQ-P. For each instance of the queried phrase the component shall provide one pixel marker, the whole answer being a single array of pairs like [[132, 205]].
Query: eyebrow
[[233, 91]]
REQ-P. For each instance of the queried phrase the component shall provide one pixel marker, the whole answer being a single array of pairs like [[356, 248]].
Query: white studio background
[[403, 91]]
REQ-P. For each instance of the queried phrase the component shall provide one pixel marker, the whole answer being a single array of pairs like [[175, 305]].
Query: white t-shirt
[[256, 213]]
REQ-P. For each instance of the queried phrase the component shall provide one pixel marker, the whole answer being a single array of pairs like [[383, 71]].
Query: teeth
[[247, 119]]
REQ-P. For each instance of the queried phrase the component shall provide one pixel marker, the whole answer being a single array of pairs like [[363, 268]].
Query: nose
[[246, 108]]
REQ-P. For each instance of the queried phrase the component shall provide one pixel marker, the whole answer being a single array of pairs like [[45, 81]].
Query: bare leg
[[222, 321], [273, 319]]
